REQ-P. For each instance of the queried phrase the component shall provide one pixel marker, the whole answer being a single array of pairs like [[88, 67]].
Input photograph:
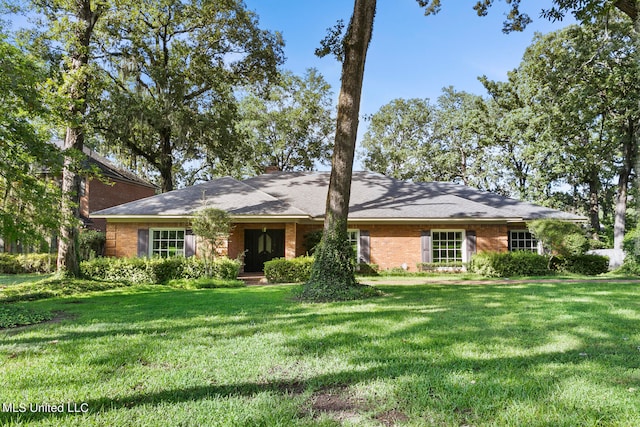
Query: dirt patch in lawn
[[337, 404], [391, 418]]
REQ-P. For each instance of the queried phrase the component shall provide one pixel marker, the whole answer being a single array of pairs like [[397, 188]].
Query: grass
[[534, 354], [15, 279]]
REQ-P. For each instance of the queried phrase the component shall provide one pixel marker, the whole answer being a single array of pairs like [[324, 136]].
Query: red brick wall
[[122, 237], [391, 245], [99, 195]]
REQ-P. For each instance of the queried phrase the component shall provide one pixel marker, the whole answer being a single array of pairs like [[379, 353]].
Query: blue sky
[[410, 56]]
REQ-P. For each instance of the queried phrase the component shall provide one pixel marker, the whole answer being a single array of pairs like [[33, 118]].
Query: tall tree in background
[[587, 80], [171, 70], [398, 142], [291, 126], [71, 24], [29, 202], [459, 131]]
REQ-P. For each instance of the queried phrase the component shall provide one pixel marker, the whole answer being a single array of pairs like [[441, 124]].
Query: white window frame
[[528, 248], [463, 245], [159, 252]]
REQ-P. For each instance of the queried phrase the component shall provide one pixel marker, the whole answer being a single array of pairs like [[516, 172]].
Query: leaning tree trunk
[[333, 275], [68, 259]]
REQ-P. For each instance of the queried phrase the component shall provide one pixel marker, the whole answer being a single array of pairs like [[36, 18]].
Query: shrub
[[367, 269], [507, 264], [12, 315], [27, 263], [9, 264], [156, 270], [562, 237], [225, 268], [589, 265], [38, 263], [206, 283], [91, 244], [282, 270]]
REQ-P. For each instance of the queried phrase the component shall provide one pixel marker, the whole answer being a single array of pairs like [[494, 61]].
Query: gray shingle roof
[[303, 194]]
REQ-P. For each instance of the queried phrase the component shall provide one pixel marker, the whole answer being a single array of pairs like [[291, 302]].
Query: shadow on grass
[[442, 345]]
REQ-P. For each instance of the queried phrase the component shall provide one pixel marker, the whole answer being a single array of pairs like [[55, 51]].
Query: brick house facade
[[392, 223]]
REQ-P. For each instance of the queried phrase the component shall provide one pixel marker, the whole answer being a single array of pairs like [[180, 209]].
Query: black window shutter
[[365, 248], [143, 242], [471, 244], [189, 243], [425, 239]]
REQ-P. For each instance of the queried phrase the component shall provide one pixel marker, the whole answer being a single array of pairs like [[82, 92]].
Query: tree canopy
[[170, 71], [29, 203]]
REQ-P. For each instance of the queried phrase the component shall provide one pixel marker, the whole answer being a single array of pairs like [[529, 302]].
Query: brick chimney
[[271, 169]]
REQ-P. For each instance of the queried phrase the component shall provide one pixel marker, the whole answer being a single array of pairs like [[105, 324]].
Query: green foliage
[[181, 110], [54, 287], [29, 206], [157, 270], [367, 269], [588, 265], [560, 237], [292, 126], [91, 244], [12, 315], [312, 240], [631, 245], [226, 268], [332, 275], [398, 141], [27, 263], [281, 270], [213, 226], [509, 264], [205, 283]]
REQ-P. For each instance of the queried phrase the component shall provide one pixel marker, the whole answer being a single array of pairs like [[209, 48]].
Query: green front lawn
[[504, 354]]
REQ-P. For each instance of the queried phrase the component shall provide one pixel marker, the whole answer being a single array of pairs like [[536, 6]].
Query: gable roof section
[[112, 171], [303, 195], [226, 193]]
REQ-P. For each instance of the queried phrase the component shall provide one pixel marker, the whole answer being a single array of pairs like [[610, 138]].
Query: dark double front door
[[262, 246]]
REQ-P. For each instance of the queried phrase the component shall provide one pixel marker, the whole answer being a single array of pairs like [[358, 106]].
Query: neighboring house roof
[[109, 170], [302, 195]]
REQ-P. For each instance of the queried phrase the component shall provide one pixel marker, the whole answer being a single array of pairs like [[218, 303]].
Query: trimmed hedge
[[27, 263], [156, 270], [588, 265], [281, 270], [507, 264]]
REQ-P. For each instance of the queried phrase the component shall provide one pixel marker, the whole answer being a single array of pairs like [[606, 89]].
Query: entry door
[[262, 246]]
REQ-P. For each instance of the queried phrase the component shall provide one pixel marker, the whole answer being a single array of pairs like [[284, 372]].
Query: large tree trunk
[[333, 273], [165, 161], [68, 260], [629, 153]]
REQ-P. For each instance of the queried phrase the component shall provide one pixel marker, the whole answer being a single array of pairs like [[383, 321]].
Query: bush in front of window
[[508, 264], [281, 270], [588, 265], [157, 270]]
